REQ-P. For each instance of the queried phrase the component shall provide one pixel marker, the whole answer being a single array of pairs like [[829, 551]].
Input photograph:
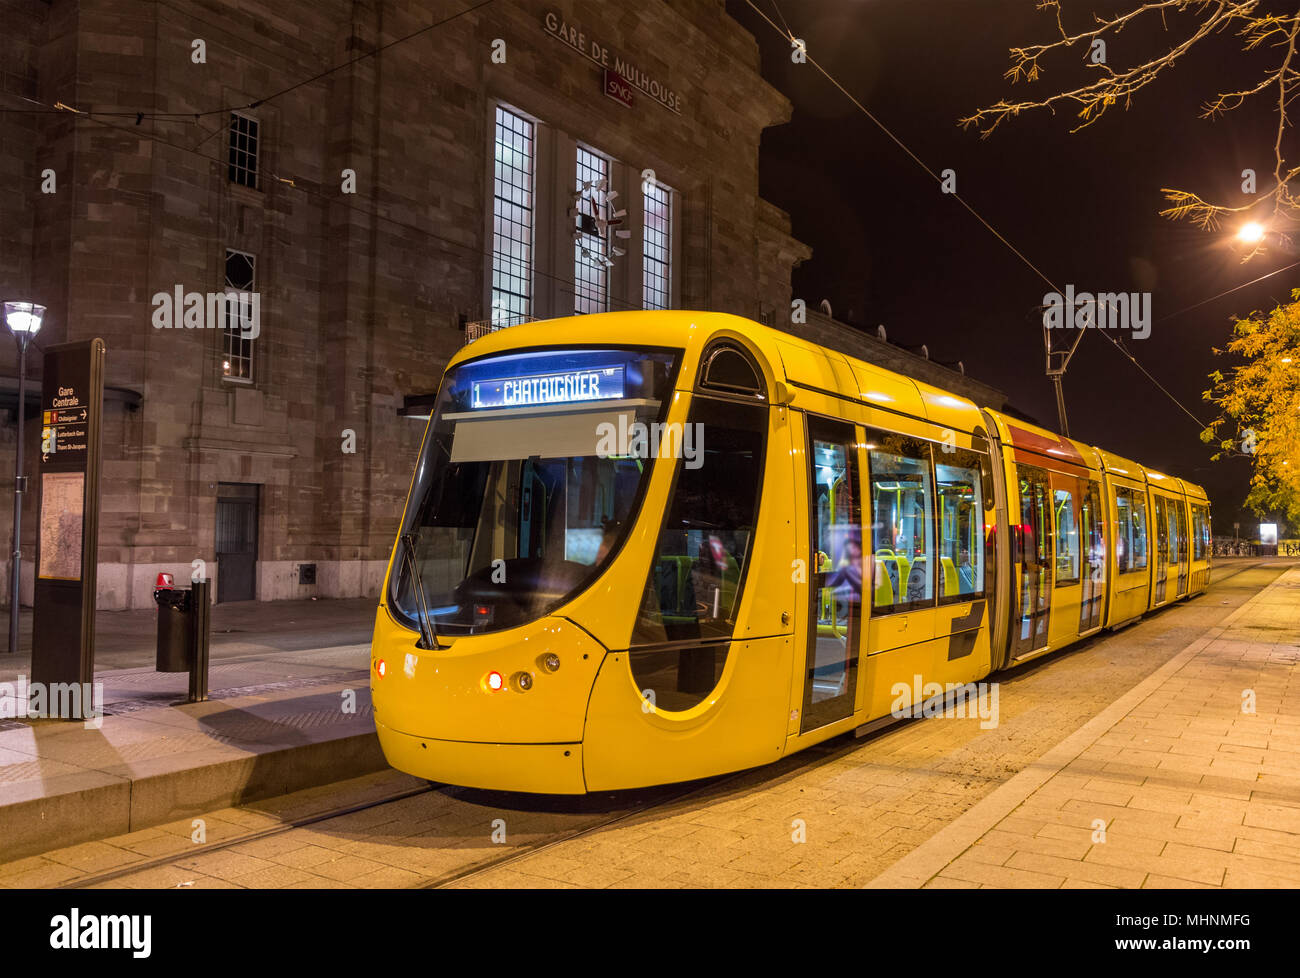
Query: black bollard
[[200, 622]]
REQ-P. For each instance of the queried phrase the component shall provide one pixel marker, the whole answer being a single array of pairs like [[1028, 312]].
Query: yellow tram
[[648, 547]]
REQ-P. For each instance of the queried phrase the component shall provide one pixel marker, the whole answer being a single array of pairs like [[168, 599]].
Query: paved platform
[[278, 720], [1190, 780], [907, 801], [126, 639]]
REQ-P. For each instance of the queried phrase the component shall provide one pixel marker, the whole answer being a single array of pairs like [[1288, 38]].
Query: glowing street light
[[24, 322], [1251, 233]]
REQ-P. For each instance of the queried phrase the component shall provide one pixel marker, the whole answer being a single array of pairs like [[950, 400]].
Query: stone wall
[[362, 294]]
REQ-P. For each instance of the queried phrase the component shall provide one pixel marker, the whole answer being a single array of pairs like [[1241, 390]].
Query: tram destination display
[[568, 387]]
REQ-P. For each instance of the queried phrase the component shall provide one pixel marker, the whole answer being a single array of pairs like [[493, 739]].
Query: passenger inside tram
[[846, 578]]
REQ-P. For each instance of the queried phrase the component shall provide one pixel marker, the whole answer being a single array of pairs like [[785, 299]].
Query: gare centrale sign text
[[593, 50]]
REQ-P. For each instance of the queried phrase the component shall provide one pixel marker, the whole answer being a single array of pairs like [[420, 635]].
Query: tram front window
[[530, 477]]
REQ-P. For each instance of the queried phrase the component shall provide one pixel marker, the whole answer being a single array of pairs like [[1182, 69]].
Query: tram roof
[[789, 356], [1043, 441], [803, 362]]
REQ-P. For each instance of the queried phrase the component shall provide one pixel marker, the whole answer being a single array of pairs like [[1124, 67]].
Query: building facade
[[521, 160]]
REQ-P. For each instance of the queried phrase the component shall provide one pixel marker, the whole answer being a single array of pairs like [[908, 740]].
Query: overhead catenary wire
[[1235, 288], [790, 37], [99, 118]]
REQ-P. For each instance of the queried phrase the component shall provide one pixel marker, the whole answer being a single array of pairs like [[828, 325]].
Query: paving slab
[[275, 723], [1195, 760]]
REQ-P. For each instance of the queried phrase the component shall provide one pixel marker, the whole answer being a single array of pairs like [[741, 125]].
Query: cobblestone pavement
[[900, 800], [1192, 779]]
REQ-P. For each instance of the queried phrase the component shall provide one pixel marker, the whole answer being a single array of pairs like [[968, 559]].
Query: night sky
[[890, 248]]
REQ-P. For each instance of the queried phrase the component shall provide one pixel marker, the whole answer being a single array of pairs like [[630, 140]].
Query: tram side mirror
[[782, 394]]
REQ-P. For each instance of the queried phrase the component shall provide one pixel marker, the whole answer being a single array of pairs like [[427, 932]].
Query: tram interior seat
[[892, 574], [897, 571], [951, 582], [967, 573], [886, 592], [916, 580], [891, 568]]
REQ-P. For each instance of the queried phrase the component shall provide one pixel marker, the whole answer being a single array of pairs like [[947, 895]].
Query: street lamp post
[[24, 321]]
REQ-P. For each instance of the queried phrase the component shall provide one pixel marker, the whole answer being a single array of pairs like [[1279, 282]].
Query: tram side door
[[1162, 548], [834, 573], [1093, 541], [1181, 549], [1034, 556]]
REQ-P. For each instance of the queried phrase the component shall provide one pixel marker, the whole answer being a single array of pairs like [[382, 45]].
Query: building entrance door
[[236, 541]]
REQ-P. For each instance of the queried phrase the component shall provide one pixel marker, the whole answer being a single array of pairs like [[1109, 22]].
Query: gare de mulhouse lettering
[[593, 50]]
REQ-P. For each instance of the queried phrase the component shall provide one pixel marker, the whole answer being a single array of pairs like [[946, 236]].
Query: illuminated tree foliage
[[1259, 401], [1268, 30]]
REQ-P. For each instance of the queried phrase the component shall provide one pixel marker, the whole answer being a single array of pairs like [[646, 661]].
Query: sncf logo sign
[[618, 88]]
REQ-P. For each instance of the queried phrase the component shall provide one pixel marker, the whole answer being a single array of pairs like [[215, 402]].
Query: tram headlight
[[524, 680], [495, 680], [551, 662]]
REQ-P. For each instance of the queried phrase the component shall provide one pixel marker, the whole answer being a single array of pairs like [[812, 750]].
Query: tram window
[[1177, 520], [1170, 509], [961, 526], [1092, 533], [902, 523], [1035, 517], [727, 369], [1139, 536], [1199, 532], [1123, 528], [990, 525], [707, 540], [836, 582], [1131, 530], [1067, 538]]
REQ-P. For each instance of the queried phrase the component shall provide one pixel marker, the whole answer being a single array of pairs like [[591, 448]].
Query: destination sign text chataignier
[[571, 386]]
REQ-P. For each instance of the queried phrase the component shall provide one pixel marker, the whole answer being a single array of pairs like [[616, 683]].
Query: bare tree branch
[[1259, 29]]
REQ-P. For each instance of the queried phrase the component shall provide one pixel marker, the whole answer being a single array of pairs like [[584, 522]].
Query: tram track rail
[[225, 844], [430, 882], [513, 855], [498, 862]]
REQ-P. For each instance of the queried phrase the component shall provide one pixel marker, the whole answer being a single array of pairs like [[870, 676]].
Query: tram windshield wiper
[[428, 634]]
